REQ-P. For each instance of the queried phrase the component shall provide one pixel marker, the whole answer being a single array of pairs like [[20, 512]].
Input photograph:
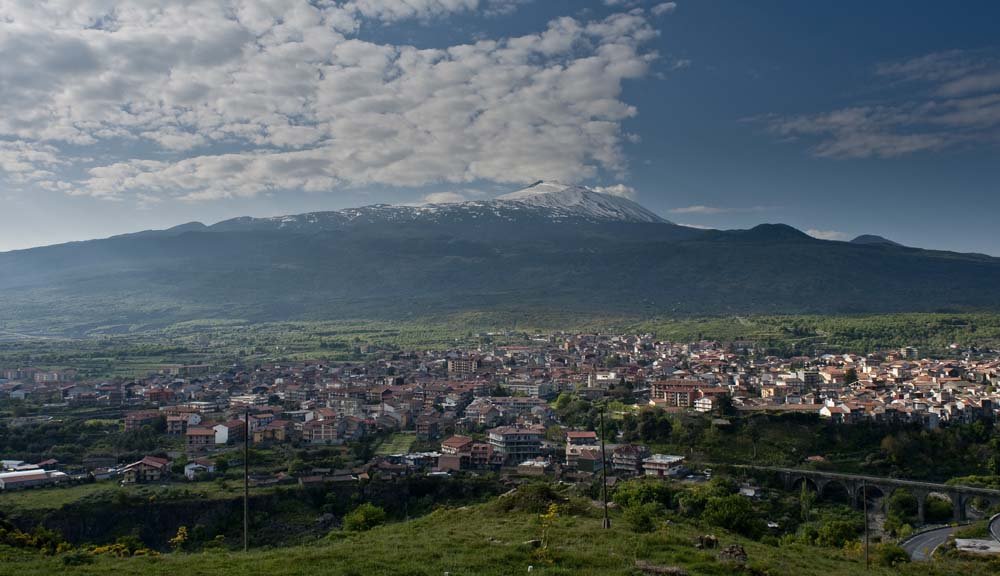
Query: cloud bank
[[197, 100]]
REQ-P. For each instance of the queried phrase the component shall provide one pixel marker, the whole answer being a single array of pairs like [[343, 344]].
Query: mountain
[[542, 202], [561, 250], [873, 240]]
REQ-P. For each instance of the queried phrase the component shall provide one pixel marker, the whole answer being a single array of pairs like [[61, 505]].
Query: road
[[995, 527], [922, 546]]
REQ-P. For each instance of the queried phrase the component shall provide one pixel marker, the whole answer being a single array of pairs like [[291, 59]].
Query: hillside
[[572, 251], [478, 540]]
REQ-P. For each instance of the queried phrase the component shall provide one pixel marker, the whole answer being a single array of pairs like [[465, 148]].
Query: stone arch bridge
[[857, 486]]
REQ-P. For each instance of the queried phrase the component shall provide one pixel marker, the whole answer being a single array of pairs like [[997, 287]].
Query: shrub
[[364, 517], [636, 492], [643, 517], [890, 555], [735, 513]]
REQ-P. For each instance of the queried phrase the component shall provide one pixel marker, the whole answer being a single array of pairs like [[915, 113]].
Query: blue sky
[[837, 118]]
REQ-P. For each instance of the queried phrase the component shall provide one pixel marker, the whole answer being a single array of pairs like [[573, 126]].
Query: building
[[198, 439], [30, 479], [531, 389], [662, 465], [232, 431], [177, 425], [199, 466], [149, 469], [534, 467], [514, 445], [579, 441], [590, 460], [323, 432], [674, 393], [462, 367], [138, 419], [627, 460]]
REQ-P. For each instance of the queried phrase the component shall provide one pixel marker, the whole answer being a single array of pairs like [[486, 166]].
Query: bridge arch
[[837, 491], [796, 483]]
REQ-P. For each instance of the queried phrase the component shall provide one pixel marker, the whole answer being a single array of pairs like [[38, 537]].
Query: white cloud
[[243, 97], [443, 198], [697, 209], [954, 101], [827, 234], [709, 210], [23, 162], [664, 8], [617, 190], [697, 226]]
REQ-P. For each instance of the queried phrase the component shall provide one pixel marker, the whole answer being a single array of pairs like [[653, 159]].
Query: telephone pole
[[246, 480], [604, 474], [864, 499]]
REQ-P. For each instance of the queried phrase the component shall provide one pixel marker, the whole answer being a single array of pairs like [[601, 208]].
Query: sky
[[838, 118]]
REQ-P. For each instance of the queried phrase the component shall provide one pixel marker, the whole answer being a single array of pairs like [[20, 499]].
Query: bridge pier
[[958, 507], [921, 505]]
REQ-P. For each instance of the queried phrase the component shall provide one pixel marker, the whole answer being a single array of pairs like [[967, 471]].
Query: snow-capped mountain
[[580, 202], [540, 202]]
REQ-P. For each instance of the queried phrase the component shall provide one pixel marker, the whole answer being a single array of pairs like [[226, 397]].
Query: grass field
[[479, 541], [53, 498], [220, 343], [398, 443]]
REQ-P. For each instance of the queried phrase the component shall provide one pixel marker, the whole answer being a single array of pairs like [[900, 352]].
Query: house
[[627, 460], [462, 452], [149, 469], [534, 467], [177, 425], [276, 431], [231, 431], [576, 442], [457, 445], [138, 419], [428, 426], [513, 444], [323, 431], [198, 439], [590, 460], [662, 465], [199, 466]]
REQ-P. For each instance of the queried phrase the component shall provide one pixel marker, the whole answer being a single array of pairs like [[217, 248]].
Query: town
[[493, 408]]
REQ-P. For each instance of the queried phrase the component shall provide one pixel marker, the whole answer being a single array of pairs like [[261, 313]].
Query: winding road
[[923, 545], [995, 527]]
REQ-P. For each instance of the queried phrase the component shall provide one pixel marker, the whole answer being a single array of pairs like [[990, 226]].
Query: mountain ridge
[[597, 258]]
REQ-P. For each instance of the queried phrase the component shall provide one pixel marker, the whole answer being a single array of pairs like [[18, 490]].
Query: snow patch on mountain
[[581, 201], [540, 202]]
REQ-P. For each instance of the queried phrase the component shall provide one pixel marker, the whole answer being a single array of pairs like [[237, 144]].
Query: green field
[[221, 343], [398, 443], [53, 498]]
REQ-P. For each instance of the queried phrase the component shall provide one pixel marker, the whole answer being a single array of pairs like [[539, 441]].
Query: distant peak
[[874, 240], [776, 232]]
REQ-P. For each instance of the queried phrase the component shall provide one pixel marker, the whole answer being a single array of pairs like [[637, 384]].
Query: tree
[[643, 517], [754, 434], [180, 540], [364, 518], [851, 376], [806, 499], [735, 513]]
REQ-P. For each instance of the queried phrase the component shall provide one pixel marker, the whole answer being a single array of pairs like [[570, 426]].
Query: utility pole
[[864, 500], [246, 480], [604, 473]]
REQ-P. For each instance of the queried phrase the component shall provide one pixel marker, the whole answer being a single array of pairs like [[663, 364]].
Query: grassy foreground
[[482, 540]]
